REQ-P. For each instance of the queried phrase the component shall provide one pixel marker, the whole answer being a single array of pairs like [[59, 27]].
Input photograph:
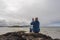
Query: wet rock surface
[[21, 35]]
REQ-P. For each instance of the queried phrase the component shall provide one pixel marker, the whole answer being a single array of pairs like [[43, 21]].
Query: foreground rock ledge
[[21, 35]]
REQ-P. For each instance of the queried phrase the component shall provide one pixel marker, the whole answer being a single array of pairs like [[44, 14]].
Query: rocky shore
[[21, 35]]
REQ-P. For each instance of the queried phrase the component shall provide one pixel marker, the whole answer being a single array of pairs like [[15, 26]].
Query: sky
[[48, 11]]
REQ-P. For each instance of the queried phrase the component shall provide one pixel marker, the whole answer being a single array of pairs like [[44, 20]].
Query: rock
[[21, 35]]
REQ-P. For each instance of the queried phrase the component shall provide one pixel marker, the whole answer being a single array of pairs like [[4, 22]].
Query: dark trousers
[[30, 29]]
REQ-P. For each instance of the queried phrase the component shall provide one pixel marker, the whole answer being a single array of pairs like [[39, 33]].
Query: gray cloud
[[46, 10]]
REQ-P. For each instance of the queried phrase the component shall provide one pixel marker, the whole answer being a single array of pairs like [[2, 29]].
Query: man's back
[[36, 27]]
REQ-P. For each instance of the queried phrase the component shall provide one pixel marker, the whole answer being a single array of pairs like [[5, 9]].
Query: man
[[36, 27], [32, 25]]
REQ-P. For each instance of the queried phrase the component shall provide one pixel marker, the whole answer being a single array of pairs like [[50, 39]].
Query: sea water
[[54, 32]]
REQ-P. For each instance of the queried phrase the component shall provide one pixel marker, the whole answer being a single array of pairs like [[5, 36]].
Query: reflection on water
[[53, 32]]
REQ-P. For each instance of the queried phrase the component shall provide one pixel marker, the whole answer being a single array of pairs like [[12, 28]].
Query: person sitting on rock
[[36, 25], [32, 24]]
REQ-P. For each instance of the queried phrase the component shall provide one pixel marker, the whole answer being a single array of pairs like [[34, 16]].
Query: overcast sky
[[48, 11]]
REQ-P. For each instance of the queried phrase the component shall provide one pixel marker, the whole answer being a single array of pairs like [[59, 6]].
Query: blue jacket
[[36, 26]]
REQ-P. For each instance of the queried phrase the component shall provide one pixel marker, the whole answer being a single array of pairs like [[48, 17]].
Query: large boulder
[[21, 35]]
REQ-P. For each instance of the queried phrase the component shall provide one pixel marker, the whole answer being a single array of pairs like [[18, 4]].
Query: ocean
[[54, 32]]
